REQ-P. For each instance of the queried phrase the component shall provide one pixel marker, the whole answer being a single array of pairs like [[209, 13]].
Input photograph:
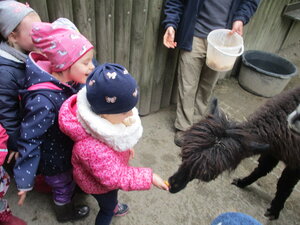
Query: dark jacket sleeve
[[39, 115], [9, 107], [246, 10], [173, 11]]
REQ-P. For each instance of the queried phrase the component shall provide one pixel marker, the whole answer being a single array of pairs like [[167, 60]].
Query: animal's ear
[[258, 147], [214, 107]]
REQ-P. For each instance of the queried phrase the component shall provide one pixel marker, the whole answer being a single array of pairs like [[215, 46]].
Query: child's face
[[117, 118], [80, 70], [21, 37]]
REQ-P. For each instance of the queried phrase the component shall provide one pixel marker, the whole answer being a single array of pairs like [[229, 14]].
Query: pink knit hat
[[63, 46], [3, 146]]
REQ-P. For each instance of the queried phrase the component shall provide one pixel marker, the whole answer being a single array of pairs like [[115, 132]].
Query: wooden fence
[[269, 30], [129, 32]]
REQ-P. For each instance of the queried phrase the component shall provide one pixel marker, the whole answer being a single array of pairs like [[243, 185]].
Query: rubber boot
[[6, 217], [69, 212], [13, 220]]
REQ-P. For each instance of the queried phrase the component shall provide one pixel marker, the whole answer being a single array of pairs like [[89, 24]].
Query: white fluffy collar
[[117, 136]]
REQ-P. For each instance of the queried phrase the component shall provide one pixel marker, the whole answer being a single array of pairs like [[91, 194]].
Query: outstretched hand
[[169, 38], [159, 183], [22, 196]]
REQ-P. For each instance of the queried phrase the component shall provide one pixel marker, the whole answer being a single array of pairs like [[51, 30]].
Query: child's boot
[[69, 212], [6, 218], [13, 220]]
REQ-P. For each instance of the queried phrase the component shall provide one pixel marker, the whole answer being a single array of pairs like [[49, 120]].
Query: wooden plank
[[105, 30], [163, 73], [293, 1], [148, 59], [123, 15], [267, 29], [170, 74], [159, 72], [40, 6], [137, 41], [84, 18], [138, 32], [58, 8], [292, 11], [293, 36]]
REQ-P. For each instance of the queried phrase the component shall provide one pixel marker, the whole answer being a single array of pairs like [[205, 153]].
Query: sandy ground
[[199, 203]]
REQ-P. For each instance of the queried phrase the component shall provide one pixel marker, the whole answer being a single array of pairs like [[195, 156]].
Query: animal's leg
[[285, 186], [265, 164]]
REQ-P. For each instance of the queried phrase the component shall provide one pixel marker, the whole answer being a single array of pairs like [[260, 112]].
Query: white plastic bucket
[[223, 49]]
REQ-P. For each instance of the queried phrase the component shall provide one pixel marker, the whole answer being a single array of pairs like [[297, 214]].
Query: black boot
[[69, 212]]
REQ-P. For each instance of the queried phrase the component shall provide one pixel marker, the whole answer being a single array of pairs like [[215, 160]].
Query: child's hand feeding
[[159, 183], [131, 153], [167, 183]]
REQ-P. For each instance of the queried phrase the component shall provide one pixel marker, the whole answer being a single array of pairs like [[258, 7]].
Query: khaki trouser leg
[[189, 70], [208, 80]]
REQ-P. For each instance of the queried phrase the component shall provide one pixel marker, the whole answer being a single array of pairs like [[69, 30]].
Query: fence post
[[58, 9], [123, 15], [148, 59], [105, 29], [84, 18], [40, 6]]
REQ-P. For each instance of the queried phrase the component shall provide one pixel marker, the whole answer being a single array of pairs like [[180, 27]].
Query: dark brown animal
[[217, 144]]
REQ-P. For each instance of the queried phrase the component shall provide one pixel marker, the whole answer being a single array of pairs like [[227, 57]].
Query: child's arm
[[39, 116], [3, 145], [9, 107], [112, 172], [156, 179]]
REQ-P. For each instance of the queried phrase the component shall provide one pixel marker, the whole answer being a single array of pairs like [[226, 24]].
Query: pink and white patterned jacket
[[101, 151]]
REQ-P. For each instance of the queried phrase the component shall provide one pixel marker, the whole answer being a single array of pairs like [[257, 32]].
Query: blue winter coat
[[42, 146], [182, 14], [12, 75]]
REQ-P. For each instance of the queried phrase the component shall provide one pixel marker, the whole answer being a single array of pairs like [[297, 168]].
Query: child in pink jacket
[[6, 217], [104, 124]]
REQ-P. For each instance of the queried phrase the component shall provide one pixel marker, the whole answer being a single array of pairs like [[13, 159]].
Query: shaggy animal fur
[[217, 144]]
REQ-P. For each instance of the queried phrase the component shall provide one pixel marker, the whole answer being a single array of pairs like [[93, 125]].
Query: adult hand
[[169, 38], [11, 155], [159, 183], [22, 196], [237, 27]]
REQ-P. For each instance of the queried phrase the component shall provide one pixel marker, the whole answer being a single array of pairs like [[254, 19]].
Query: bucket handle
[[226, 53]]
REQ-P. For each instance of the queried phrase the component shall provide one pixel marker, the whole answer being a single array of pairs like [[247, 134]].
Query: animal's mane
[[215, 138]]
